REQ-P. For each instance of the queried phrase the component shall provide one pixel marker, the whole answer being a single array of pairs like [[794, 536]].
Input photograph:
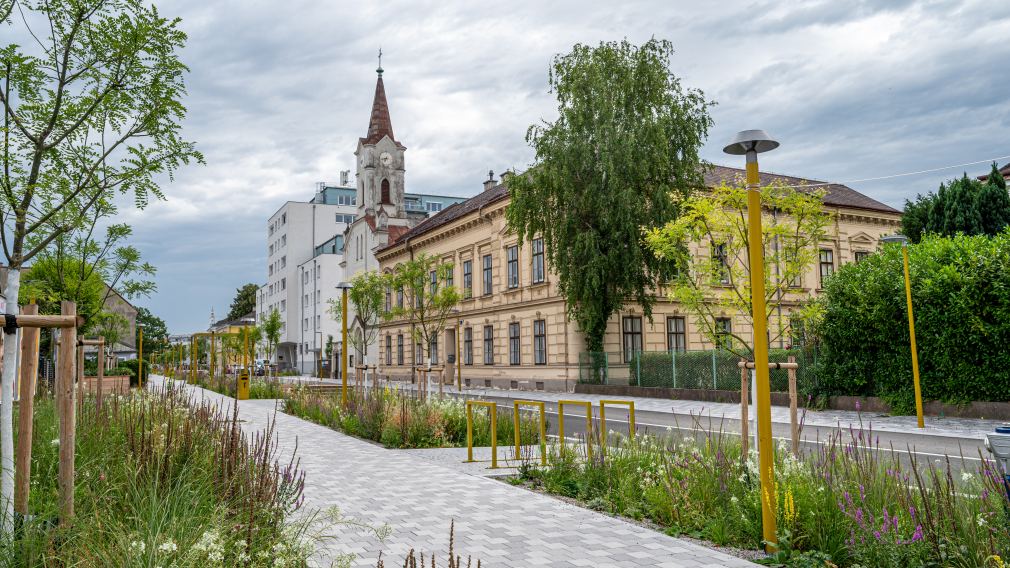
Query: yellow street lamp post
[[911, 323], [343, 287], [750, 143]]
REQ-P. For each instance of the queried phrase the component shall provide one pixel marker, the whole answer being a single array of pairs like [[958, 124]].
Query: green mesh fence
[[709, 370], [593, 368]]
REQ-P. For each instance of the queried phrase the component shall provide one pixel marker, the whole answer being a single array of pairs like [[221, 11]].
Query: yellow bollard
[[494, 430], [543, 427], [589, 423], [243, 385]]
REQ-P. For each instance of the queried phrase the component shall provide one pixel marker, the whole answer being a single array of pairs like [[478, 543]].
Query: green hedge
[[961, 301]]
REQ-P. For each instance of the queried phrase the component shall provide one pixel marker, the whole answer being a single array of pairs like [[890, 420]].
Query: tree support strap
[[10, 324]]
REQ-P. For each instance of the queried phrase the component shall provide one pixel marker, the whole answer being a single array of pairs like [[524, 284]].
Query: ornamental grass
[[161, 480]]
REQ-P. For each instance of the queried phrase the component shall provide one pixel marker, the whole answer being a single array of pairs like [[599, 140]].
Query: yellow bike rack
[[589, 422], [494, 430], [603, 418], [543, 427]]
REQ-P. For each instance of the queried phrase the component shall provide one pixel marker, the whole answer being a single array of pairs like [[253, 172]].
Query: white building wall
[[293, 233]]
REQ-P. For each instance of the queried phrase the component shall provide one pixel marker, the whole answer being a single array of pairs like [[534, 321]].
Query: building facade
[[512, 329]]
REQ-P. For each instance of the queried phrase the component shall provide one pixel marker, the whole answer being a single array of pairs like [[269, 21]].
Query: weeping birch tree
[[622, 153], [91, 94]]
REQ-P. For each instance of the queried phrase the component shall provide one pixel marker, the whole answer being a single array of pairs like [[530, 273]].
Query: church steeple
[[379, 124], [380, 160]]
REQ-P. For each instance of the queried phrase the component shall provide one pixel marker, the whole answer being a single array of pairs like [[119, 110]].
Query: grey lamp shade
[[747, 140]]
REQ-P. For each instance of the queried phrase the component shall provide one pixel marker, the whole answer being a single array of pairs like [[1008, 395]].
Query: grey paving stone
[[505, 526]]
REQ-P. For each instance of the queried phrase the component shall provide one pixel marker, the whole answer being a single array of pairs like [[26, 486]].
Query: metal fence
[[715, 369]]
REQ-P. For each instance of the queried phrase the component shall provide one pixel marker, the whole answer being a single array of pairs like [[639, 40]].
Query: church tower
[[380, 164]]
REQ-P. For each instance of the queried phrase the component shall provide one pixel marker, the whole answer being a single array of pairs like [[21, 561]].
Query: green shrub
[[961, 301]]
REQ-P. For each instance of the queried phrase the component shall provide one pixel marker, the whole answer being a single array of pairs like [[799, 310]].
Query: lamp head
[[746, 141], [344, 286], [895, 239]]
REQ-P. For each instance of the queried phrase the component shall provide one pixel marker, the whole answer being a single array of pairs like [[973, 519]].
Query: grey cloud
[[279, 95]]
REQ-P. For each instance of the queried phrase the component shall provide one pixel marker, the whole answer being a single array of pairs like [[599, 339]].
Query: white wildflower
[[966, 476], [137, 547], [168, 546], [734, 499], [56, 442]]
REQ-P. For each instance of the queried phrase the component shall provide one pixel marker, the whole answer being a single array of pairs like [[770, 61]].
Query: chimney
[[490, 182], [345, 177]]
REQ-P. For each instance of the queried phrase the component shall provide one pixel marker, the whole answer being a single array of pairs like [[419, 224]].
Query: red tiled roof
[[1005, 171], [835, 195], [396, 231], [379, 124], [453, 212]]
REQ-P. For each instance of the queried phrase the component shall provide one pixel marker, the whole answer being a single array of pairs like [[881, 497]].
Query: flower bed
[[401, 421], [850, 503]]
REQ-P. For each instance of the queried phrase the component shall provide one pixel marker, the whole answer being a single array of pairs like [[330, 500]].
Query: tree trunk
[[10, 369]]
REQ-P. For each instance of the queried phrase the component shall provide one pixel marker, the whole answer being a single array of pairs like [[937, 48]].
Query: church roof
[[379, 124]]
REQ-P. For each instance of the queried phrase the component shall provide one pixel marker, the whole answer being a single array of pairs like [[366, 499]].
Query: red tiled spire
[[379, 124]]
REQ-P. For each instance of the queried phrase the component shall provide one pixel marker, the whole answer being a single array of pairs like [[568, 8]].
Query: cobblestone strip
[[501, 524]]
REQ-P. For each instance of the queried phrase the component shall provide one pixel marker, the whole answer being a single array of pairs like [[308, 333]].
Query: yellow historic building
[[511, 328]]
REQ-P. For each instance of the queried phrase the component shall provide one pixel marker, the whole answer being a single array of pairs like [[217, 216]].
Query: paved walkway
[[496, 522], [935, 425]]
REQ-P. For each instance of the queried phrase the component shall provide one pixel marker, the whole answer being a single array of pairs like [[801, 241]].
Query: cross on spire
[[379, 70]]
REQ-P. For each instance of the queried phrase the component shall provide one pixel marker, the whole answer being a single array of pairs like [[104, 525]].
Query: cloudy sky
[[280, 92]]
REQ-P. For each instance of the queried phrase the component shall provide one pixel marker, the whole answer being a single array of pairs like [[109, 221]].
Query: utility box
[[243, 385]]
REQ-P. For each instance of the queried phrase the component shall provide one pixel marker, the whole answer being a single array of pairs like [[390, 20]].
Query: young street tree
[[272, 334], [91, 103], [83, 268], [622, 154], [708, 245], [427, 301], [366, 298]]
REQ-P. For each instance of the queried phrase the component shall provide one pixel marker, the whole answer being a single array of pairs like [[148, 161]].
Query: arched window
[[385, 192]]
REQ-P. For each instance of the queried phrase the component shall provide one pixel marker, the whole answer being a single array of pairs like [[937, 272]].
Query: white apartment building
[[304, 248]]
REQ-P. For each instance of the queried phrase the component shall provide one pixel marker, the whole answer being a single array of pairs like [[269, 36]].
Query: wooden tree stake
[[26, 411], [65, 409], [101, 371]]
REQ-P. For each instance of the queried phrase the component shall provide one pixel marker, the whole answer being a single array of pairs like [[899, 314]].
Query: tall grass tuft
[[162, 480]]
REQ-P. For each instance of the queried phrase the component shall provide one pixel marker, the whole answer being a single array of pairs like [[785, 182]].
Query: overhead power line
[[905, 174]]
